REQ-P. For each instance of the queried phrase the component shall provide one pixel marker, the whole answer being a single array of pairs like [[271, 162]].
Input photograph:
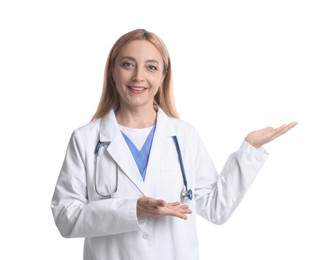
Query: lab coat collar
[[109, 127], [118, 149]]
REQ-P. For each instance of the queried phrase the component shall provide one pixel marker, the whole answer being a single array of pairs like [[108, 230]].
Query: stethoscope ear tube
[[185, 192]]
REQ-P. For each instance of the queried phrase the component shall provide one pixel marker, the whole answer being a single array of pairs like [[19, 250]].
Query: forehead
[[140, 49]]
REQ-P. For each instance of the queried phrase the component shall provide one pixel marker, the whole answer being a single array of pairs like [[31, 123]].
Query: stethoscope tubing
[[185, 193], [181, 162]]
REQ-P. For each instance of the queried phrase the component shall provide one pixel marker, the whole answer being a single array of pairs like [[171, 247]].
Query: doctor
[[134, 178]]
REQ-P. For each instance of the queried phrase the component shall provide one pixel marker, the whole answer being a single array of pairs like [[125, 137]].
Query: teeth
[[137, 89]]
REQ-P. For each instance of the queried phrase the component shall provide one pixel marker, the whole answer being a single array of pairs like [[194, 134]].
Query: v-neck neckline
[[141, 157]]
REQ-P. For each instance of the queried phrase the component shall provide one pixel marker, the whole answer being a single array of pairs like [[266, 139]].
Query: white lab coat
[[110, 226]]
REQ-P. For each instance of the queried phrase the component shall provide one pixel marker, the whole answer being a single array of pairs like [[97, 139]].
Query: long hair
[[110, 98]]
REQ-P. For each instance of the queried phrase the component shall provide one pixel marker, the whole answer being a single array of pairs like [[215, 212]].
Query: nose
[[138, 74]]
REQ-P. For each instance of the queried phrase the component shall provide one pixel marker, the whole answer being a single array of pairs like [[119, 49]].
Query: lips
[[136, 89]]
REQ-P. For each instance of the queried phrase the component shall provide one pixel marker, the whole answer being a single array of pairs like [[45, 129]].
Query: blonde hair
[[110, 98]]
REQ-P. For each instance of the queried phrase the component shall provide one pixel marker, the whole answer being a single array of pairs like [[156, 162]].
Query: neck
[[136, 117]]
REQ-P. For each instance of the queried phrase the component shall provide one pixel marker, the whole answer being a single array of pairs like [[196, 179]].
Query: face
[[138, 73]]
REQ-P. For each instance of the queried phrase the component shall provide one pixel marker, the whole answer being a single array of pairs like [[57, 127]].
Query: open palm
[[260, 137]]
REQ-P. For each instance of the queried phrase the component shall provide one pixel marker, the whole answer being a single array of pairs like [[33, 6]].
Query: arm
[[74, 214], [218, 196]]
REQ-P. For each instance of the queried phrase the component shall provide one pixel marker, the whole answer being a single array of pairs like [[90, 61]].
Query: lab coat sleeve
[[217, 196], [74, 214]]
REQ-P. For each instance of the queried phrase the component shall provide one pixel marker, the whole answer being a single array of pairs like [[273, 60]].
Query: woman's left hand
[[260, 137]]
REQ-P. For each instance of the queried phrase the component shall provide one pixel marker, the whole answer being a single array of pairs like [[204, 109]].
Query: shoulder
[[88, 130], [182, 125], [172, 125], [184, 130]]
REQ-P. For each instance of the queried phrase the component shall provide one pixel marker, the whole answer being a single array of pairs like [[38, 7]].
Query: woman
[[134, 177]]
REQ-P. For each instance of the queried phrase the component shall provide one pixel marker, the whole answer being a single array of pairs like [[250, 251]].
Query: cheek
[[121, 75], [157, 82], [155, 86], [120, 79]]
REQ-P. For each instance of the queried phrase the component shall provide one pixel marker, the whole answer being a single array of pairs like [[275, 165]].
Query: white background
[[238, 66]]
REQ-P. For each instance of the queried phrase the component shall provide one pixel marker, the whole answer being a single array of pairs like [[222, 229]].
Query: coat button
[[145, 235]]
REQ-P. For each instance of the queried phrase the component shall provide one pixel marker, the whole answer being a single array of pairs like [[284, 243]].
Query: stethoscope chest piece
[[186, 194]]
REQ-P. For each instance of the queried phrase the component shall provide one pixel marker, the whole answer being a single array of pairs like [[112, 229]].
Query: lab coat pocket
[[106, 175]]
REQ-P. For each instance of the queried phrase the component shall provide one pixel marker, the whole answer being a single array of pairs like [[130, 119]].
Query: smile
[[137, 90]]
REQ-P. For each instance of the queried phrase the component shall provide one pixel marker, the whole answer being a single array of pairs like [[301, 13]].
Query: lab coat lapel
[[119, 151], [165, 128]]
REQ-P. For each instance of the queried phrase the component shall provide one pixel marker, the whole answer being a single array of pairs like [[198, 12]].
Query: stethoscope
[[184, 194]]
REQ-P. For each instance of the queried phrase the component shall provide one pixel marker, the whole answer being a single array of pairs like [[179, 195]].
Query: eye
[[127, 65], [151, 67]]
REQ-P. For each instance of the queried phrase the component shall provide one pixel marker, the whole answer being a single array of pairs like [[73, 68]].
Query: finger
[[283, 129], [291, 125], [178, 211], [176, 203], [183, 214], [184, 206], [276, 132], [186, 211]]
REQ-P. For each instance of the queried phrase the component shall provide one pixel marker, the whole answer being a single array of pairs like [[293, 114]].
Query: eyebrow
[[131, 58]]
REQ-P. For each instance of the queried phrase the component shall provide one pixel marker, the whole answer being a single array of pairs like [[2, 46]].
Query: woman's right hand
[[150, 207]]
